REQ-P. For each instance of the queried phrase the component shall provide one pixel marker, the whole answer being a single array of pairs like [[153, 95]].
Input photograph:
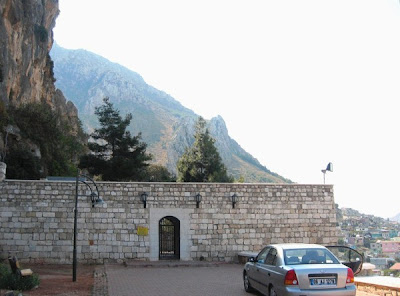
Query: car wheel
[[246, 283], [272, 291]]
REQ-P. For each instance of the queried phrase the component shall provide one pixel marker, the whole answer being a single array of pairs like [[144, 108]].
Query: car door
[[348, 256], [266, 271], [255, 272]]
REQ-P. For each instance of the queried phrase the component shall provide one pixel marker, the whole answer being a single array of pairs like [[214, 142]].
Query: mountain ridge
[[396, 218], [166, 125]]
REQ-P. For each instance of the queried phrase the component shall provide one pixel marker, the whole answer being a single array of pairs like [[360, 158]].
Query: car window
[[309, 256], [263, 255], [271, 257]]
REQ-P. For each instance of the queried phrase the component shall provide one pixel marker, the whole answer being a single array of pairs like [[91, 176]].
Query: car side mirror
[[251, 259]]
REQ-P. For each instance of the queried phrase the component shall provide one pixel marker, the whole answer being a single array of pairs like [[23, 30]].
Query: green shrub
[[10, 281], [3, 272], [58, 144], [22, 164]]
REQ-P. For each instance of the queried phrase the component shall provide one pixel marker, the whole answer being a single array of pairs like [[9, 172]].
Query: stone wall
[[36, 219]]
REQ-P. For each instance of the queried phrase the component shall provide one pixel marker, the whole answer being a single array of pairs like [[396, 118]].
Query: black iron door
[[169, 238]]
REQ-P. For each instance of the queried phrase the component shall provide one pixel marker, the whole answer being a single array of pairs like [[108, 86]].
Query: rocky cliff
[[26, 69], [46, 140]]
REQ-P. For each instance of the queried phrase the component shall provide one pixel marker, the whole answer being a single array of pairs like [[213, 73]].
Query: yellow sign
[[142, 231]]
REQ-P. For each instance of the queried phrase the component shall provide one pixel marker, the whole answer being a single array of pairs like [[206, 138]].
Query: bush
[[22, 164], [57, 141], [8, 280]]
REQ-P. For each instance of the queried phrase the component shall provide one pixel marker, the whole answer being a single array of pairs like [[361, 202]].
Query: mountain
[[396, 218], [166, 126]]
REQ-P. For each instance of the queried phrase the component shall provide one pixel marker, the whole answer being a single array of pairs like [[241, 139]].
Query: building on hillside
[[376, 234], [368, 269], [390, 247], [395, 268], [382, 263], [355, 241], [393, 233], [385, 234], [376, 247]]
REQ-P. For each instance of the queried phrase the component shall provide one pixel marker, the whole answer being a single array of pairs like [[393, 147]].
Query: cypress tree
[[202, 162]]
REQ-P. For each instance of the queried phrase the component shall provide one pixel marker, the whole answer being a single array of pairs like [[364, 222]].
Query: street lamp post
[[329, 168], [95, 199]]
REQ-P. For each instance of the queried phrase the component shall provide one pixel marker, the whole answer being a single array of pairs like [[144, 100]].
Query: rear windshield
[[309, 256]]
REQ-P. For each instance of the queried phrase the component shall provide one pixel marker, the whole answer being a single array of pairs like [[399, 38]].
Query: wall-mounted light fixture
[[143, 198], [198, 200], [234, 198]]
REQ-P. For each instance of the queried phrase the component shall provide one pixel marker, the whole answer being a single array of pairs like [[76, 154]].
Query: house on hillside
[[395, 268], [382, 263], [393, 233], [355, 241], [376, 234], [376, 247], [390, 248], [385, 234]]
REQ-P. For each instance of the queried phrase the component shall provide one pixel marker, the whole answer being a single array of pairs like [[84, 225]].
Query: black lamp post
[[143, 198], [95, 199], [234, 198], [198, 200]]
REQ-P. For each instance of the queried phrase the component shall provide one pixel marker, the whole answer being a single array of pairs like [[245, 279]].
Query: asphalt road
[[221, 280]]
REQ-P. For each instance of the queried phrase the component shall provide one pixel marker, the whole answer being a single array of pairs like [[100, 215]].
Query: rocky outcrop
[[26, 69], [26, 75]]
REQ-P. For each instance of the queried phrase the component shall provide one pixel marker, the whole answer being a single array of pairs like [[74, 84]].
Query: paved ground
[[215, 280], [177, 281]]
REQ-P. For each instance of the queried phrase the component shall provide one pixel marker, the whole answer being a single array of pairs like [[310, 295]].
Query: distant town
[[378, 239]]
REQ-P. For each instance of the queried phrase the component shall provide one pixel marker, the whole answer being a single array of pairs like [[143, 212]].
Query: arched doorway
[[169, 237]]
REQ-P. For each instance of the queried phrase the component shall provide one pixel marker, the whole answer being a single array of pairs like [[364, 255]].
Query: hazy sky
[[299, 83]]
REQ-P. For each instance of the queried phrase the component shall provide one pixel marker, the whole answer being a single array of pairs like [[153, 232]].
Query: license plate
[[322, 282]]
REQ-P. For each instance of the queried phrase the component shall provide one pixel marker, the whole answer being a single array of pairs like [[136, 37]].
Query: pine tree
[[202, 162], [115, 154]]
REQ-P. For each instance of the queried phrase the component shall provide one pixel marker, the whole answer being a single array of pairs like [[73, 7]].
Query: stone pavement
[[175, 278]]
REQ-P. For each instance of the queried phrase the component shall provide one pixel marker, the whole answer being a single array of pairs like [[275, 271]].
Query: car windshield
[[309, 256]]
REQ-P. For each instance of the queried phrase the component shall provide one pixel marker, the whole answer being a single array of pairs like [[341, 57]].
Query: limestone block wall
[[36, 219]]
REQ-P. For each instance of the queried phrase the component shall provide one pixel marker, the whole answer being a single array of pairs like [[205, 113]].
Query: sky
[[298, 83]]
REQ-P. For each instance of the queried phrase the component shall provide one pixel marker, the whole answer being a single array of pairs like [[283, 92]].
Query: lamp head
[[143, 197], [234, 198], [198, 200], [96, 200], [198, 197]]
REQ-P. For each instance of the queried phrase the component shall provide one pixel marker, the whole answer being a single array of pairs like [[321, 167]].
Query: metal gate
[[169, 238]]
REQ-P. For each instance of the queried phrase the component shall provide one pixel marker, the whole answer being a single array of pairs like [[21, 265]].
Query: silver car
[[300, 270]]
